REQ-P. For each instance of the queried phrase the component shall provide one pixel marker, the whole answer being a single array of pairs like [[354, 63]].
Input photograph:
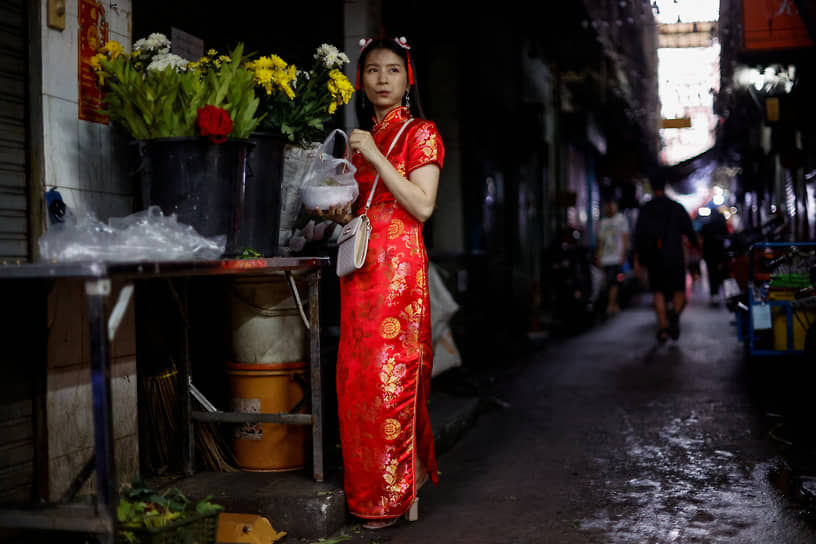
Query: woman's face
[[385, 80]]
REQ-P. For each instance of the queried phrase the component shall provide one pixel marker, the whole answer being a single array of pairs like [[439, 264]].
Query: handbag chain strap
[[377, 178]]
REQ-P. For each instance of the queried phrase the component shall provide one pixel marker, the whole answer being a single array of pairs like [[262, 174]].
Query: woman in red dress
[[385, 352]]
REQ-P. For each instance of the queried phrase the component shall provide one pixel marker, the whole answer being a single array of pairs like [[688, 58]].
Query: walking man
[[712, 236], [610, 255], [661, 227]]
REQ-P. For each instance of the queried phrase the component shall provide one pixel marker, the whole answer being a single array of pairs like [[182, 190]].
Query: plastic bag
[[443, 307], [143, 236], [329, 181]]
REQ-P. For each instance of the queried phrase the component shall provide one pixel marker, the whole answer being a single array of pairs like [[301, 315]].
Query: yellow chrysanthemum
[[272, 73], [96, 61], [113, 49], [286, 81], [340, 89]]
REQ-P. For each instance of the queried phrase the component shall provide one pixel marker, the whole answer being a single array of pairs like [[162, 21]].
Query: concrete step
[[293, 501]]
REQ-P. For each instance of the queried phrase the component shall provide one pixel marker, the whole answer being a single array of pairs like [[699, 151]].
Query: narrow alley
[[608, 437]]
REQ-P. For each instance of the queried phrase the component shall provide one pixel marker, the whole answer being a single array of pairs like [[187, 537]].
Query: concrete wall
[[86, 162], [69, 402]]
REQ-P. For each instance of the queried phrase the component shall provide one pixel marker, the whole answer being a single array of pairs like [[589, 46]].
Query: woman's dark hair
[[362, 106]]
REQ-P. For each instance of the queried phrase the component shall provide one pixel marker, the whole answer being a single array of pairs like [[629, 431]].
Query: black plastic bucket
[[261, 210], [203, 183]]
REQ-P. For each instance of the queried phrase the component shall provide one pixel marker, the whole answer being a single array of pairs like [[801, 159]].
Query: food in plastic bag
[[143, 236], [329, 181]]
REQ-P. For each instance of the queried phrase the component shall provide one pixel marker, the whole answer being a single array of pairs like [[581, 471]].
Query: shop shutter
[[17, 452], [14, 231]]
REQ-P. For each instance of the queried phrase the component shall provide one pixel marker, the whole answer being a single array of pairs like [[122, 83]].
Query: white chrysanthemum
[[156, 42], [162, 61], [331, 56], [326, 50]]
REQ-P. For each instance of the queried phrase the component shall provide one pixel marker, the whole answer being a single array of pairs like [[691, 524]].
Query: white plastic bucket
[[267, 326]]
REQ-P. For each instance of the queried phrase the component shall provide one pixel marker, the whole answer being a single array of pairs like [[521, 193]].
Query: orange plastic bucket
[[269, 388]]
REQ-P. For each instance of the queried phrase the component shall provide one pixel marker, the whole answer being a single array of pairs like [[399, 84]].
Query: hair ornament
[[402, 42], [364, 43]]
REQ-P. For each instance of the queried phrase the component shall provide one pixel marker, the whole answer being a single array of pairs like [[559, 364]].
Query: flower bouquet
[[300, 103], [153, 93], [191, 122]]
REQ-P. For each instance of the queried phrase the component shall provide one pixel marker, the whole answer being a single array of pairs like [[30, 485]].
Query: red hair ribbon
[[402, 42]]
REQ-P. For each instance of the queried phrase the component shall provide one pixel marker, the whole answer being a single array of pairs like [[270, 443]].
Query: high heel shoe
[[413, 512]]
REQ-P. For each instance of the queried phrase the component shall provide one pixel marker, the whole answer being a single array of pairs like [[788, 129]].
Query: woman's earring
[[407, 99]]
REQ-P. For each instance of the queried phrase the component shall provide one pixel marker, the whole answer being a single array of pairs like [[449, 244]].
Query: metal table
[[98, 278]]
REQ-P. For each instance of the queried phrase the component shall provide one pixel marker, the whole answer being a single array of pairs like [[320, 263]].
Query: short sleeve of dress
[[425, 146]]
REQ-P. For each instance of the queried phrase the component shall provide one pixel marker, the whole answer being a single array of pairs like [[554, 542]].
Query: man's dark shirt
[[713, 234], [661, 224]]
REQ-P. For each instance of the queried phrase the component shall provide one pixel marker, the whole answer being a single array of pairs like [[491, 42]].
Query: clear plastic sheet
[[148, 235]]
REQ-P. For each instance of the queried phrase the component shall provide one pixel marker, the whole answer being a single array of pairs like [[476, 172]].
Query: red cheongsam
[[385, 352]]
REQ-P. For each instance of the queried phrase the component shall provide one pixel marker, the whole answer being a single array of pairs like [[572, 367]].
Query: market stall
[[779, 311]]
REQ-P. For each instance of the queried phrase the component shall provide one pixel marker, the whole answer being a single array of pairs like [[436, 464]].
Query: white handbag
[[353, 245], [353, 240]]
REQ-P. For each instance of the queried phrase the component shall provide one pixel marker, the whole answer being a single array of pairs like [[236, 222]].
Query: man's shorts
[[667, 280], [613, 274]]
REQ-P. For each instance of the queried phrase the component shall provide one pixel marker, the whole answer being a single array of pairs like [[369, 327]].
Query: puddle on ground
[[673, 485]]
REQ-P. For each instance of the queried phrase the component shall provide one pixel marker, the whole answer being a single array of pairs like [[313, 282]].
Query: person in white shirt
[[613, 244]]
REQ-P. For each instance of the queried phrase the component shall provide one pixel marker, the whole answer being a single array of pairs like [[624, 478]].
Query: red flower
[[214, 122]]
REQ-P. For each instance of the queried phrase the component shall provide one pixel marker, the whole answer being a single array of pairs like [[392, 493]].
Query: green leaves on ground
[[140, 506]]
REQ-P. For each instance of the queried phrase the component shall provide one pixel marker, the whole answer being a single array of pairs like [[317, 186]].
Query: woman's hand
[[361, 141], [338, 214], [416, 193]]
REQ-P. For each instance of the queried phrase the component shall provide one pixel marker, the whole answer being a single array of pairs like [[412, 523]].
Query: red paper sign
[[93, 33], [773, 24]]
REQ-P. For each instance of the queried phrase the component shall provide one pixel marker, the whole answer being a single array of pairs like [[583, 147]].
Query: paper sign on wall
[[186, 45], [761, 314]]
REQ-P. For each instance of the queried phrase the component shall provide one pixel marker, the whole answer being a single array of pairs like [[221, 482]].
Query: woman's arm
[[416, 193]]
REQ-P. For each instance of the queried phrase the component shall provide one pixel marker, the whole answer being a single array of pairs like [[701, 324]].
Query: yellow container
[[800, 321], [269, 388], [246, 529]]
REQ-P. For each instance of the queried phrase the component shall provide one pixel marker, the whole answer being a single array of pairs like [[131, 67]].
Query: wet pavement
[[607, 437]]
